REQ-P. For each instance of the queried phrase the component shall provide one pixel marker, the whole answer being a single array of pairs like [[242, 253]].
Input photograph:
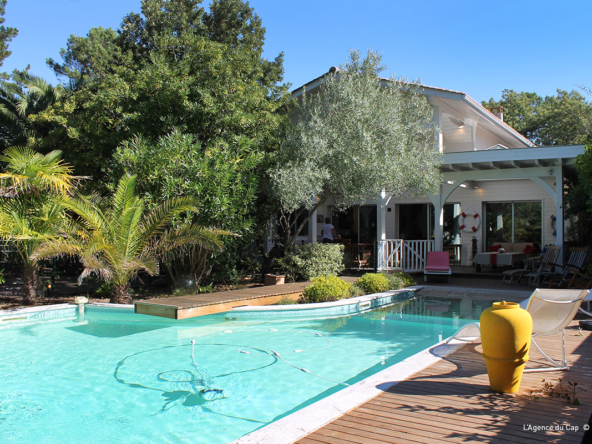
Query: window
[[513, 222]]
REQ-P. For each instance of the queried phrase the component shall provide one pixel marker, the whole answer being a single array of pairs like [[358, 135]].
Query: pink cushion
[[530, 249], [438, 261]]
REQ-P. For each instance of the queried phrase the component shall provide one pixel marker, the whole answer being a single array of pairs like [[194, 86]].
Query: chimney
[[497, 111]]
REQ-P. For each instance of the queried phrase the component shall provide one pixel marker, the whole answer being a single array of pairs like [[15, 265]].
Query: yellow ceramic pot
[[506, 331]]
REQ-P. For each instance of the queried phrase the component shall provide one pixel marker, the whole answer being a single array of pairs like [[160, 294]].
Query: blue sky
[[475, 46]]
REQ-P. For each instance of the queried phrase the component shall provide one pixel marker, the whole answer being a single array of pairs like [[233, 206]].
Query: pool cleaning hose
[[277, 355]]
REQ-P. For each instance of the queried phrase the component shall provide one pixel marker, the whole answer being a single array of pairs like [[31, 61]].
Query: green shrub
[[394, 282], [105, 289], [407, 279], [373, 283], [355, 291], [286, 301], [313, 260], [326, 288]]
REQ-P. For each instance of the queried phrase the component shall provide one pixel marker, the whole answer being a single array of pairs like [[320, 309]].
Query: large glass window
[[357, 223], [513, 222], [416, 222]]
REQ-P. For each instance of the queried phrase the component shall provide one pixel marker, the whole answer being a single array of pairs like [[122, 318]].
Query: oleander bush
[[326, 288], [373, 283]]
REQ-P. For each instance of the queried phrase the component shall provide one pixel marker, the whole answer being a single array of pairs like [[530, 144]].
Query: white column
[[381, 204], [312, 228], [559, 209], [438, 219], [439, 135]]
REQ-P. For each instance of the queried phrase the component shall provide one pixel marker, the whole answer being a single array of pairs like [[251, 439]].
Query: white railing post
[[409, 256]]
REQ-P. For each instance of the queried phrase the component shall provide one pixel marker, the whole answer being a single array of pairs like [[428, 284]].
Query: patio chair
[[547, 265], [518, 272], [575, 262], [551, 310], [437, 263]]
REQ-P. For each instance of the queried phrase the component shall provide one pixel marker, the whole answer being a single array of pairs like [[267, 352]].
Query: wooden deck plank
[[182, 307], [427, 425], [450, 401]]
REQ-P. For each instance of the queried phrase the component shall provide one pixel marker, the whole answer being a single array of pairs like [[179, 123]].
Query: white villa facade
[[489, 170]]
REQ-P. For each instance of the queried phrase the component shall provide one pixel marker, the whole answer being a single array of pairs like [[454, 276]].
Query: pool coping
[[24, 310], [305, 421], [317, 305]]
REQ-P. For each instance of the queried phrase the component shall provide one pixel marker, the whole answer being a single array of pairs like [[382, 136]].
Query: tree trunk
[[268, 264], [32, 286], [121, 294]]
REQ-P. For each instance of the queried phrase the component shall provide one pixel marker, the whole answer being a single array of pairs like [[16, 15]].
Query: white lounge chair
[[551, 310]]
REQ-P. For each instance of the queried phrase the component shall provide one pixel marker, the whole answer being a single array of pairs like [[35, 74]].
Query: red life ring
[[469, 221]]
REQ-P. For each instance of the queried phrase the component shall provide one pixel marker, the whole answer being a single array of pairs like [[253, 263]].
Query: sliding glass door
[[513, 222]]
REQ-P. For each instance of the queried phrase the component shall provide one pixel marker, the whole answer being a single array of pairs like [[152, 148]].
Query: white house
[[489, 170]]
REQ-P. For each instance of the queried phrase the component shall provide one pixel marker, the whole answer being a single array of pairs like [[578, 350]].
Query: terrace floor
[[451, 401]]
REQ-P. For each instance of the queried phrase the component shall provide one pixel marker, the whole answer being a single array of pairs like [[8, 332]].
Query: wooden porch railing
[[403, 255]]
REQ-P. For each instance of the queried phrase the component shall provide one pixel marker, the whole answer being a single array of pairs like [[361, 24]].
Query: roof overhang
[[511, 159]]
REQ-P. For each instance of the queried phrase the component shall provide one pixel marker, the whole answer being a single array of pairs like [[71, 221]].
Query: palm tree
[[30, 213], [117, 238], [26, 95]]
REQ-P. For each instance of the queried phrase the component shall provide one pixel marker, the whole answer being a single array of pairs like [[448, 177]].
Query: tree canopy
[[6, 36], [175, 66], [564, 119], [359, 135], [22, 98]]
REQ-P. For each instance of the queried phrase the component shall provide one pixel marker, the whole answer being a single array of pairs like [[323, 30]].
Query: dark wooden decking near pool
[[450, 401], [183, 307]]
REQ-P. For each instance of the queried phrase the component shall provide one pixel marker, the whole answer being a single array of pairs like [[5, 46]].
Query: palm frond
[[160, 217], [125, 195], [182, 238], [57, 248]]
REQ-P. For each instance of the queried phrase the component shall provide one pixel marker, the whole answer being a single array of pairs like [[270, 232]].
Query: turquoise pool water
[[116, 377]]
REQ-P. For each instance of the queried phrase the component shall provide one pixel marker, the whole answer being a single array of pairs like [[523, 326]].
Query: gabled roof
[[447, 97]]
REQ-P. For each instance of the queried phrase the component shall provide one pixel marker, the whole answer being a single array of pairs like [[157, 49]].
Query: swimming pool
[[115, 376]]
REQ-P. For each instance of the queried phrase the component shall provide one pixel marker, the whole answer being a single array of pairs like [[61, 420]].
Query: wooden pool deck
[[191, 306], [450, 401], [183, 307]]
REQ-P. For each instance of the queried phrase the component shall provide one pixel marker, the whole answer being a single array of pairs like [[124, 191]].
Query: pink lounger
[[437, 263]]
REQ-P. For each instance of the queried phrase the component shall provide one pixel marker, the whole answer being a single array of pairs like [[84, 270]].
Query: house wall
[[484, 139], [502, 191], [466, 139], [488, 191]]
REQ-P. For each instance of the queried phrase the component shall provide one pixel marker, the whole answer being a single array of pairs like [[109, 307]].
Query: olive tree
[[359, 135]]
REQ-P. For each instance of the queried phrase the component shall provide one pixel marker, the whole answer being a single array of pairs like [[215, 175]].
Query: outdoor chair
[[575, 262], [437, 263], [509, 275], [529, 264], [547, 265], [551, 310]]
